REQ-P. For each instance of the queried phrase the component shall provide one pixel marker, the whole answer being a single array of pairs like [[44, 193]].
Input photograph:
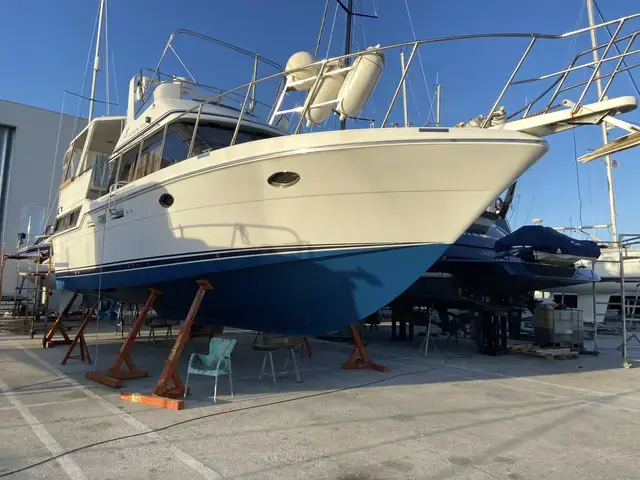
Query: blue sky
[[45, 48]]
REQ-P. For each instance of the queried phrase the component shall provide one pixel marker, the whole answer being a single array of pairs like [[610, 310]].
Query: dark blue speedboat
[[491, 267]]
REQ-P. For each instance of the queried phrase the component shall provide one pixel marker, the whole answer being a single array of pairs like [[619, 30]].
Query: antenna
[[438, 104], [347, 47], [404, 90]]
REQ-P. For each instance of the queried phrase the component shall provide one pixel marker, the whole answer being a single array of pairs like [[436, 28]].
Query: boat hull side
[[294, 293]]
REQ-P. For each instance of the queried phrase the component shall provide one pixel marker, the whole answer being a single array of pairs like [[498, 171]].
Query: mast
[[613, 228], [347, 46], [348, 8], [96, 64]]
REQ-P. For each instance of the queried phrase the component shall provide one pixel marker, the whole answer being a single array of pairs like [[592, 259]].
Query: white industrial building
[[28, 140]]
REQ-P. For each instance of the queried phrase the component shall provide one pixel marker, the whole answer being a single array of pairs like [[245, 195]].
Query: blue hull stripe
[[291, 293], [283, 253]]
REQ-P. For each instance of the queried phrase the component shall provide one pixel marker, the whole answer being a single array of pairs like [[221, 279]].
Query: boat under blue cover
[[476, 269], [292, 291], [548, 240]]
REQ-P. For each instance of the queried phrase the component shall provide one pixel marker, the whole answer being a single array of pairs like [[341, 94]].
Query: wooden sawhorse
[[79, 338], [115, 374], [164, 395]]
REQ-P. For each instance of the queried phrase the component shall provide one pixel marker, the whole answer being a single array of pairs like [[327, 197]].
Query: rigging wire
[[413, 95], [324, 18], [115, 82], [335, 15], [424, 75], [106, 45], [225, 412], [364, 35], [55, 162], [375, 9]]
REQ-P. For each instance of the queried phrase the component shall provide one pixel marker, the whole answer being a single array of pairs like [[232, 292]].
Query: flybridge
[[343, 85]]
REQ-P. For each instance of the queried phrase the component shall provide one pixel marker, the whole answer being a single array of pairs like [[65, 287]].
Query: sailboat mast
[[96, 64], [605, 135], [347, 45]]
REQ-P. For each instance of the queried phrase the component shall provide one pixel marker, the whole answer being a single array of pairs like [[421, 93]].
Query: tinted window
[[176, 145], [150, 156], [210, 136], [68, 220], [127, 164], [113, 171]]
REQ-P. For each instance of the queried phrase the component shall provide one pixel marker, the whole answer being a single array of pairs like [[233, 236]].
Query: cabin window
[[96, 158], [149, 156], [127, 164], [176, 144], [113, 170], [210, 136], [67, 221], [99, 178], [70, 163]]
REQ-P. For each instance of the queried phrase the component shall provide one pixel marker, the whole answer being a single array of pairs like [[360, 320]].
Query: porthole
[[166, 200], [283, 179]]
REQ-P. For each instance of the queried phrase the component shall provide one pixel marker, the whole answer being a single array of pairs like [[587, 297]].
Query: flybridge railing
[[595, 65], [345, 63]]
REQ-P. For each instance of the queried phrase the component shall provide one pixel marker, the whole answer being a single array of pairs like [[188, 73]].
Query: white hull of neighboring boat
[[607, 266], [372, 187]]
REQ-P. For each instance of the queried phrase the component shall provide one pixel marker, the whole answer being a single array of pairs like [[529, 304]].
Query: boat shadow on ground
[[448, 361]]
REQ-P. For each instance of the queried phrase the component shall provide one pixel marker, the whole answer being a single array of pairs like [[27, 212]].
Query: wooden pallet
[[547, 353]]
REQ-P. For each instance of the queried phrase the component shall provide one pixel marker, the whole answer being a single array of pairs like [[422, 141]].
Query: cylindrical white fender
[[359, 84], [300, 59], [327, 90]]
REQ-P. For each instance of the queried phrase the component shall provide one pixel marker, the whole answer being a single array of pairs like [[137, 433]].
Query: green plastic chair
[[216, 363]]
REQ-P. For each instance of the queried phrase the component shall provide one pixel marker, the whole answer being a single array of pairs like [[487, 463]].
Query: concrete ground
[[451, 415]]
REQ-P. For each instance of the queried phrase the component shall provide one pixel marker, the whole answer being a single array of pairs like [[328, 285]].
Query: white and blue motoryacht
[[299, 230]]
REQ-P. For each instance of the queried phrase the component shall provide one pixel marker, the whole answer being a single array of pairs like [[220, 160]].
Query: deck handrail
[[247, 90]]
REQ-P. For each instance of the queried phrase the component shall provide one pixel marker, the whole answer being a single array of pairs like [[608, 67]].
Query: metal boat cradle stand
[[135, 177]]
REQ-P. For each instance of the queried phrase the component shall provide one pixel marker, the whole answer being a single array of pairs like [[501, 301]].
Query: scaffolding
[[625, 241], [30, 300]]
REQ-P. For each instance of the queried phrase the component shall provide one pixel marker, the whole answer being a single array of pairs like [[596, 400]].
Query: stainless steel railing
[[559, 85]]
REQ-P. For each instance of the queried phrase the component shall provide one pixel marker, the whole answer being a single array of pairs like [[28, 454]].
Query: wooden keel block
[[103, 379], [153, 400]]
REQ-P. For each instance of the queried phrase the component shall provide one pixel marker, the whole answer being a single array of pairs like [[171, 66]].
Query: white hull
[[608, 268], [373, 186]]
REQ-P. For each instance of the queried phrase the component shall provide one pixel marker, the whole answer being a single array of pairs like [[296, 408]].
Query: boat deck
[[453, 415]]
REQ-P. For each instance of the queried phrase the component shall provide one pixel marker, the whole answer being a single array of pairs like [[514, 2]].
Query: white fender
[[327, 90], [359, 84], [298, 60]]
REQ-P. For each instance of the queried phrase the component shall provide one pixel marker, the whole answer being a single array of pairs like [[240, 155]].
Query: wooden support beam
[[48, 341], [115, 373], [154, 401], [164, 394], [305, 346], [363, 361], [79, 338]]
